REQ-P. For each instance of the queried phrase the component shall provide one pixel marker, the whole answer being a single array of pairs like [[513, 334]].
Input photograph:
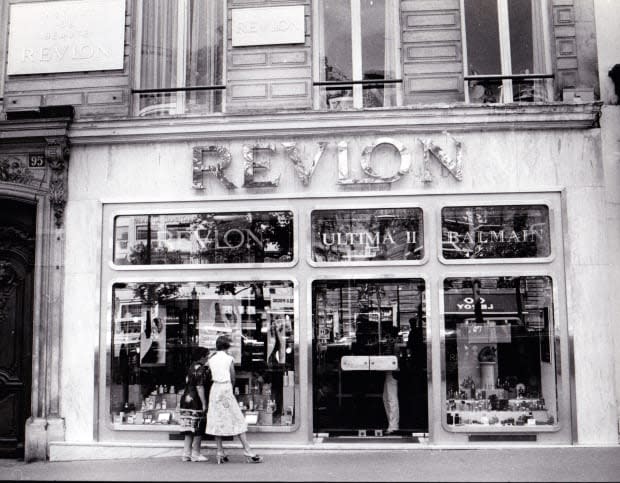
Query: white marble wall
[[80, 329], [508, 161], [607, 17]]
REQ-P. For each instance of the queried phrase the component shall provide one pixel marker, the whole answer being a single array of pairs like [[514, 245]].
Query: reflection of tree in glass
[[152, 293]]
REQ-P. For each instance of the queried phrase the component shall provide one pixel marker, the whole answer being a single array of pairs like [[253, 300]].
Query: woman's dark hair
[[199, 353], [222, 343]]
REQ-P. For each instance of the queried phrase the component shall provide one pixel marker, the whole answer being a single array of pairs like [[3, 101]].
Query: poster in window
[[152, 342], [221, 317]]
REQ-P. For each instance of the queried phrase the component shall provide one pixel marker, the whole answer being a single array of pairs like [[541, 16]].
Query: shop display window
[[499, 353], [380, 235], [510, 231], [155, 327], [369, 356], [204, 238]]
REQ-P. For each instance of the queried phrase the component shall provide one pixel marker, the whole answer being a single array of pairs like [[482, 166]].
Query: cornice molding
[[424, 119], [33, 130]]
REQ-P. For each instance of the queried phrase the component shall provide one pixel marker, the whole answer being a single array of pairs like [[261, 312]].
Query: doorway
[[17, 249], [370, 358]]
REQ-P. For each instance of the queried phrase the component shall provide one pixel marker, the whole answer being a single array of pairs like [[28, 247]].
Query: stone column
[[46, 423]]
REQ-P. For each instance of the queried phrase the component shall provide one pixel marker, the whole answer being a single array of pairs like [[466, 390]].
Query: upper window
[[492, 232], [204, 238], [358, 43], [371, 235], [181, 56], [505, 51]]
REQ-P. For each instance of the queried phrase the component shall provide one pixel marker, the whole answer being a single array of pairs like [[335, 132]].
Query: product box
[[288, 392], [265, 418]]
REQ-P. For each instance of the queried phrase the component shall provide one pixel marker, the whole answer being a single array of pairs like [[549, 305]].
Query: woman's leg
[[246, 445], [187, 447], [220, 447], [196, 444], [251, 457]]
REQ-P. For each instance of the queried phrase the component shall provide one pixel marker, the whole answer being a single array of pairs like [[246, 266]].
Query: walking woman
[[194, 405], [224, 417]]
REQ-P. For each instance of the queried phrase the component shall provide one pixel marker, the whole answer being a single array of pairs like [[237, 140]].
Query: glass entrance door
[[369, 357]]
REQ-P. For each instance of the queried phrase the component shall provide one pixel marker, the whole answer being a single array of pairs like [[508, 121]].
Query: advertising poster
[[152, 341], [220, 316]]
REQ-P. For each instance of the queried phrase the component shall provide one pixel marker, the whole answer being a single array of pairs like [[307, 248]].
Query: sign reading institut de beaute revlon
[[217, 161], [66, 36]]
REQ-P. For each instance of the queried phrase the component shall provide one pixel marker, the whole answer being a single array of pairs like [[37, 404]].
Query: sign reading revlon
[[217, 161], [66, 36], [268, 26]]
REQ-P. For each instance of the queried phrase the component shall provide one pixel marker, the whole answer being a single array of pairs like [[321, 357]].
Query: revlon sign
[[66, 36], [217, 162]]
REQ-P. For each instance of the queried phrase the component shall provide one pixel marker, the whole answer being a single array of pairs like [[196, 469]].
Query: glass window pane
[[367, 235], [519, 231], [206, 43], [373, 39], [159, 44], [336, 61], [156, 328], [369, 361], [204, 238], [198, 40], [500, 362], [482, 33], [380, 95], [521, 45]]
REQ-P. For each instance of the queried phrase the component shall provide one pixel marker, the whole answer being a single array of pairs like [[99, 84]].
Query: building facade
[[404, 214]]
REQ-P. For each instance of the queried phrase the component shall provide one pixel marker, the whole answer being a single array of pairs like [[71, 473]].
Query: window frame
[[504, 202], [366, 263], [506, 76], [356, 83], [4, 39], [562, 413], [146, 211], [183, 20]]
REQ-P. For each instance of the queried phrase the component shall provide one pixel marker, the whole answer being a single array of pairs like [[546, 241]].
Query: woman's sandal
[[221, 458], [253, 458]]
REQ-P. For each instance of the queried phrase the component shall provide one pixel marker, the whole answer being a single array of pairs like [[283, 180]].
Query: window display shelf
[[491, 421]]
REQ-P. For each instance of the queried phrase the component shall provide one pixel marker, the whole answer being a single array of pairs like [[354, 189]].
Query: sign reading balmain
[[510, 231]]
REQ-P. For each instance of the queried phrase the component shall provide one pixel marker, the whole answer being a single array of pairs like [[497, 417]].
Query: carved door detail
[[17, 222]]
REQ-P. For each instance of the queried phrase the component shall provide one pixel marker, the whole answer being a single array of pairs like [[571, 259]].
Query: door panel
[[369, 356], [17, 222]]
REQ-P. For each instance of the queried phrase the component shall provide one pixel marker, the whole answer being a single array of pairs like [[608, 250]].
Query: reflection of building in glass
[[258, 317]]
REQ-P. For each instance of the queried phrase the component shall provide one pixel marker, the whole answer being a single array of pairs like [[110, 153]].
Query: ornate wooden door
[[17, 242]]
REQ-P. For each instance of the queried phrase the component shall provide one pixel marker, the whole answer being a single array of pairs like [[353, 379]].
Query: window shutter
[[565, 36], [432, 51]]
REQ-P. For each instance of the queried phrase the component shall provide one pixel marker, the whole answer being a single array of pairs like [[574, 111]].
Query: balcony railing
[[172, 101], [508, 88]]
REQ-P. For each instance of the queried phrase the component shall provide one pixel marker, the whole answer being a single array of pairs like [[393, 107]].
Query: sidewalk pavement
[[505, 464]]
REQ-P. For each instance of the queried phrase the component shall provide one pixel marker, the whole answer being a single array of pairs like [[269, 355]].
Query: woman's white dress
[[224, 417]]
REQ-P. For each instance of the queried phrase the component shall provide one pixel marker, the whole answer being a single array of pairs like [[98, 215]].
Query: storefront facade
[[388, 271]]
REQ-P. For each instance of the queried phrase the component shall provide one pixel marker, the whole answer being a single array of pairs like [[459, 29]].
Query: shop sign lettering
[[492, 303], [468, 304], [268, 26], [66, 36], [512, 236], [230, 239], [215, 160], [363, 238]]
